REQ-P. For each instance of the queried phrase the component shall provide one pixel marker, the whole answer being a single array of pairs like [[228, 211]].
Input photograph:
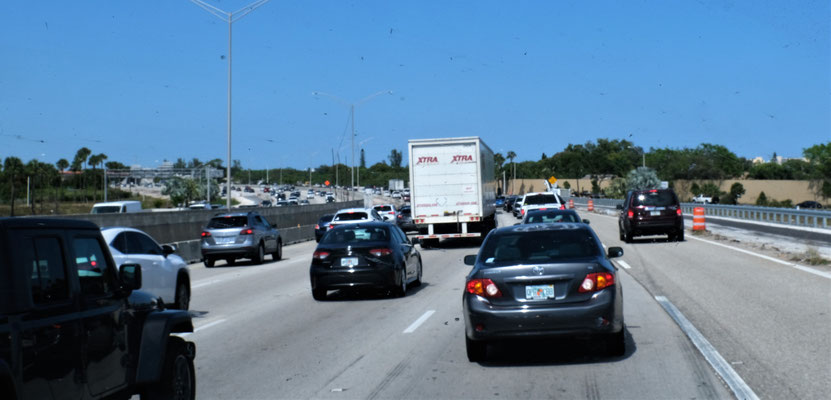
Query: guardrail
[[783, 216]]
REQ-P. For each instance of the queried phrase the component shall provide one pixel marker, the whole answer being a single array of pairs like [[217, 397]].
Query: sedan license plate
[[655, 213], [225, 240], [349, 261], [539, 292]]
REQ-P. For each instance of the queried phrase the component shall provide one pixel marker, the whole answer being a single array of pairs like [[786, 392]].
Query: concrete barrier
[[190, 250]]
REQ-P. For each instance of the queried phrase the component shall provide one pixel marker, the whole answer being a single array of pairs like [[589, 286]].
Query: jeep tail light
[[380, 252], [248, 231], [320, 255], [317, 227], [678, 212], [483, 287], [206, 234], [596, 282], [630, 214]]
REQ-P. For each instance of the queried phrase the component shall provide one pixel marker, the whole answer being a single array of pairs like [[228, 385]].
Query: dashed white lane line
[[419, 321], [727, 373], [817, 272], [235, 274], [623, 264], [203, 327]]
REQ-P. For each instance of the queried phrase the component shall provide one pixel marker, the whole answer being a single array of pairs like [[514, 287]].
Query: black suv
[[651, 212], [73, 326]]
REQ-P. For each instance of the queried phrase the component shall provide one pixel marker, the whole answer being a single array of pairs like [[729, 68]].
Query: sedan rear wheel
[[401, 290], [616, 344], [209, 262], [278, 254], [182, 296], [259, 255], [319, 294], [476, 350], [417, 282]]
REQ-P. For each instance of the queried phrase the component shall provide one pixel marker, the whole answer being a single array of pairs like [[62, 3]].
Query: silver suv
[[240, 235]]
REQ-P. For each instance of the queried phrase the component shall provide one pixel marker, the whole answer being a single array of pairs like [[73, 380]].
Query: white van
[[116, 207]]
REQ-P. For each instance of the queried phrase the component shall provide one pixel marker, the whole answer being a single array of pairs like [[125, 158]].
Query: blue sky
[[146, 81]]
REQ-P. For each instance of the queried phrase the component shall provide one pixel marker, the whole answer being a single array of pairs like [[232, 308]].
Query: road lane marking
[[240, 273], [206, 326], [817, 272], [623, 264], [205, 283], [419, 321], [723, 369]]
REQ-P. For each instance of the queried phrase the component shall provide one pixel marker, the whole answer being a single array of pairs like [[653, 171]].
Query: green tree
[[642, 178], [13, 170], [762, 200], [819, 156], [395, 158], [736, 192]]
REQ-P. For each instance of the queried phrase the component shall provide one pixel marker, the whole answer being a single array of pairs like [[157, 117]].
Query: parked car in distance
[[76, 326], [650, 212], [405, 219], [509, 203], [702, 199], [164, 274], [542, 281], [516, 208], [386, 211], [354, 216], [230, 236], [322, 226], [547, 215], [116, 207], [365, 255], [809, 205]]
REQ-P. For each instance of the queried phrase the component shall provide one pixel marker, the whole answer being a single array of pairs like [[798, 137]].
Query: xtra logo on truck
[[462, 159], [427, 160]]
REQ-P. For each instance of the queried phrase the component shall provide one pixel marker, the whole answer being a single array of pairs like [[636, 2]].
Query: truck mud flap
[[449, 235]]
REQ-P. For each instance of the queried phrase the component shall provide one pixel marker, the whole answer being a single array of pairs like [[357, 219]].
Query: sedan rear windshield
[[356, 235], [326, 218], [537, 247], [551, 217], [353, 216], [382, 208], [657, 198], [541, 199], [228, 222]]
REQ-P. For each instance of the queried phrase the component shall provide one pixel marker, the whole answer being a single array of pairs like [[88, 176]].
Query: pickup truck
[[702, 199], [73, 326]]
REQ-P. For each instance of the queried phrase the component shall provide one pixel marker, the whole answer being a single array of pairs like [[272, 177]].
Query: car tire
[[182, 299], [319, 294], [209, 262], [417, 282], [620, 232], [616, 344], [428, 243], [230, 261], [401, 289], [259, 255], [680, 236], [477, 350], [178, 377], [628, 237], [277, 255]]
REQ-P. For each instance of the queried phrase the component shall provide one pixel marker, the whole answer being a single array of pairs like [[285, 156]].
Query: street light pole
[[230, 18]]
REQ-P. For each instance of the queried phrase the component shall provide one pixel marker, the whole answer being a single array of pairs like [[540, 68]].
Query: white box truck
[[396, 184], [452, 188]]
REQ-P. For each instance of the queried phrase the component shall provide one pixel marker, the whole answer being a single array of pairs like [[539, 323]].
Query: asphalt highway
[[260, 335]]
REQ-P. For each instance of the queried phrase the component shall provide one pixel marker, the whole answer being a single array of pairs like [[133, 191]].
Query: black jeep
[[72, 326]]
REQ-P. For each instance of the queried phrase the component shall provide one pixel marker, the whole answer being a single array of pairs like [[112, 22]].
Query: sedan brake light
[[596, 282], [317, 227], [206, 234], [248, 231], [380, 252], [483, 287], [562, 206], [320, 255]]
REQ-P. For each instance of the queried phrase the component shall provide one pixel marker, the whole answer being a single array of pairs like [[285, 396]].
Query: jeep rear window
[[355, 216], [658, 199], [228, 222]]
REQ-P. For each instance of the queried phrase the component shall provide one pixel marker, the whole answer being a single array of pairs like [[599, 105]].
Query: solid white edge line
[[623, 264], [825, 275], [723, 369], [419, 321]]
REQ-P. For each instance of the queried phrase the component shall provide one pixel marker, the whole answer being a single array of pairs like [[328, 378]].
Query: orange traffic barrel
[[591, 205], [570, 203], [698, 219]]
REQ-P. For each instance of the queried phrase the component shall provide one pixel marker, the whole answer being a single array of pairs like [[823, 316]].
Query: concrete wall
[[183, 228]]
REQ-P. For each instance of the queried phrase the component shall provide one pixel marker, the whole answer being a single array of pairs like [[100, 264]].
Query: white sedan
[[163, 273]]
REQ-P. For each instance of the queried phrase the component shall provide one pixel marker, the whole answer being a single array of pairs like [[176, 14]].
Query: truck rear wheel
[[428, 243]]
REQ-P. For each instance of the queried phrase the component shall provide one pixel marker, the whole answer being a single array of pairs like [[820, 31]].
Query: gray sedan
[[544, 281]]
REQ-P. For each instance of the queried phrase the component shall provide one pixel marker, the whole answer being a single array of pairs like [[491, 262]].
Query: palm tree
[[511, 156], [13, 168], [62, 164], [79, 161]]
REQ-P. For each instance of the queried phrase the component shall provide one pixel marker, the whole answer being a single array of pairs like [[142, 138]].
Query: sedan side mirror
[[615, 252], [414, 241], [168, 249], [470, 259], [130, 276], [585, 221], [619, 207]]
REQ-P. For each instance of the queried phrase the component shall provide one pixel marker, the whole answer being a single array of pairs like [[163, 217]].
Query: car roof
[[561, 226], [234, 214], [365, 224], [349, 210], [21, 222], [550, 211]]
